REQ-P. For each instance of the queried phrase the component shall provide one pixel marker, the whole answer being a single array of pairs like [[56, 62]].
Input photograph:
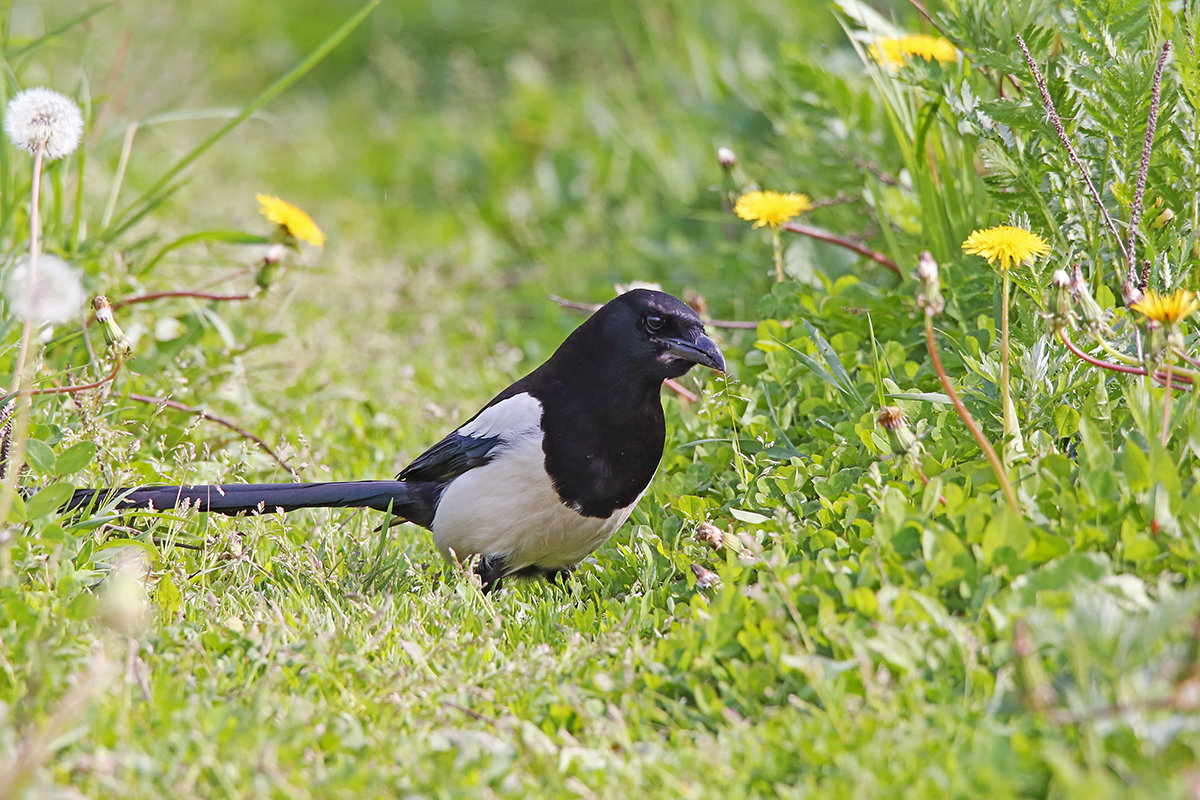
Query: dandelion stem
[[777, 245], [967, 419], [1052, 112], [1005, 393], [1166, 423], [1116, 354], [31, 272], [20, 377]]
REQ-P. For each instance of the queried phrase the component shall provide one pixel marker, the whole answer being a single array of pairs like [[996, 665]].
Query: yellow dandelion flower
[[771, 208], [1167, 309], [1007, 245], [895, 49], [294, 221]]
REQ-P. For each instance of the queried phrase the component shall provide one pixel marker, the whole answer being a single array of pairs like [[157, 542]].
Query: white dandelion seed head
[[42, 118], [57, 290]]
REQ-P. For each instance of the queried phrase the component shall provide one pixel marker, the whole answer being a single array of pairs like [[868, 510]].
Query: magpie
[[536, 480]]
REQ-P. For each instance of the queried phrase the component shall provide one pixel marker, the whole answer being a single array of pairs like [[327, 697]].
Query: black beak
[[703, 351]]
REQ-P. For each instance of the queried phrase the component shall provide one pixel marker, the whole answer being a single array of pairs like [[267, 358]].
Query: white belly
[[508, 508]]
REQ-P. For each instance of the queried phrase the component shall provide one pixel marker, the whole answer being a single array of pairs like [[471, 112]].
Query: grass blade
[[170, 180]]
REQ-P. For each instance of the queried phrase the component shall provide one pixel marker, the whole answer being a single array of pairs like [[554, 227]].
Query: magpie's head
[[657, 335]]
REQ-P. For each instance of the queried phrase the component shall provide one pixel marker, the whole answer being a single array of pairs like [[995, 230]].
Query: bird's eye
[[655, 323]]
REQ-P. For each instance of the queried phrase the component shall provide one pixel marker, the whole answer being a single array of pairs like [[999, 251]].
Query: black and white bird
[[542, 475]]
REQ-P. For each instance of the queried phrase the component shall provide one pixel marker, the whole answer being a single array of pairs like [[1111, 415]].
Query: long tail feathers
[[411, 501]]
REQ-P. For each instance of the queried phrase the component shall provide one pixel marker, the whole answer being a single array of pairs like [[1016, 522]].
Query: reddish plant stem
[[1174, 382], [681, 390], [925, 13], [1096, 362], [967, 419], [82, 387], [175, 404], [820, 234], [146, 298]]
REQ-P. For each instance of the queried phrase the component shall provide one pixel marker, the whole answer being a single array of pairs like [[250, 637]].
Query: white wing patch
[[509, 508], [514, 416]]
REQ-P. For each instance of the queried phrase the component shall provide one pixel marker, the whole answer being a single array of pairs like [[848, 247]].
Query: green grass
[[872, 636]]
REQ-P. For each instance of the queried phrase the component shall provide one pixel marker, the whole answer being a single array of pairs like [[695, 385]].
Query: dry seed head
[[57, 292], [900, 437], [41, 119], [890, 418], [1090, 313], [710, 535], [705, 578]]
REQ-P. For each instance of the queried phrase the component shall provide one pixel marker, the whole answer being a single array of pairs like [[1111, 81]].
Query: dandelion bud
[[1058, 300], [1131, 293], [929, 293], [710, 535], [1078, 282], [41, 119], [726, 157], [705, 578], [116, 338], [275, 252], [927, 268], [1163, 219], [1089, 310], [900, 436]]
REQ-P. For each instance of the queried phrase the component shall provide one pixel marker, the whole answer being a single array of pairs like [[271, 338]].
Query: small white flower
[[726, 157], [57, 291], [42, 118]]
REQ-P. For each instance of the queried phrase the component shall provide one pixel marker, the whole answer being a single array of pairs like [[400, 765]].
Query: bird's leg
[[559, 576], [491, 570]]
